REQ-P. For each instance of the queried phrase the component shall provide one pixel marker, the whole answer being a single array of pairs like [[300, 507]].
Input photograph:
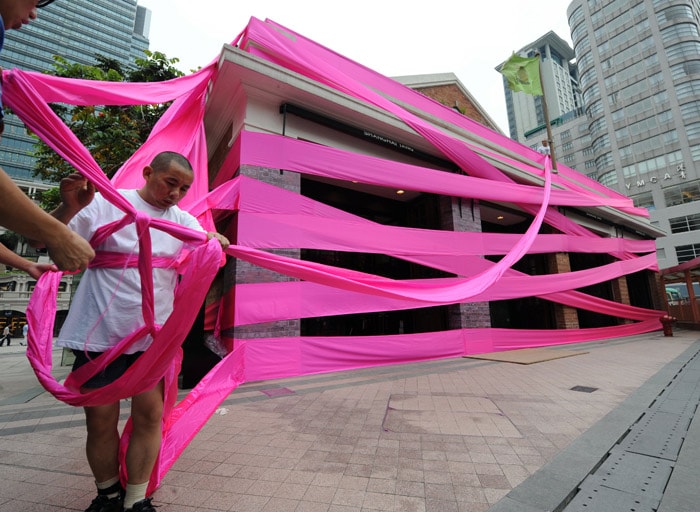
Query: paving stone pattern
[[460, 435]]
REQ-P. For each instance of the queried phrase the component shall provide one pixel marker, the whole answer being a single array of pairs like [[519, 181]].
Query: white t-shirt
[[107, 304]]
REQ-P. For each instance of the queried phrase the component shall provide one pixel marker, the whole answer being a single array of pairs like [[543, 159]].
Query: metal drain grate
[[603, 499], [657, 434], [637, 470], [583, 389], [633, 473]]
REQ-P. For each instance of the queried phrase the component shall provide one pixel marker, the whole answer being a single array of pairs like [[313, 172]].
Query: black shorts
[[112, 371]]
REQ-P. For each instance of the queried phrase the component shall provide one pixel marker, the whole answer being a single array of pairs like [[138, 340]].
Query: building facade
[[448, 90], [15, 291], [639, 72], [252, 96], [405, 199]]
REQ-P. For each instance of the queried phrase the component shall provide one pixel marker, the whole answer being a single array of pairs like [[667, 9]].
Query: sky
[[468, 39]]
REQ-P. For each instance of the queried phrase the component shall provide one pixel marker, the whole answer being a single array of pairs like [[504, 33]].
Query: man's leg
[[102, 447], [144, 444]]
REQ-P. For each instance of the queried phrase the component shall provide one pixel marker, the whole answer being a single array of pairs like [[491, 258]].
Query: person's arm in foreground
[[32, 268], [19, 213]]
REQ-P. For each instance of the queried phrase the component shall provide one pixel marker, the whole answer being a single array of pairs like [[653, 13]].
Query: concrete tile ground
[[450, 435]]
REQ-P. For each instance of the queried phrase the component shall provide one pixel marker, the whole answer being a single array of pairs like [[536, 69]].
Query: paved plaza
[[462, 435]]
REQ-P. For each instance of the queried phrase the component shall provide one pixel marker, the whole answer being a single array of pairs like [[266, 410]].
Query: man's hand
[[221, 238], [76, 191]]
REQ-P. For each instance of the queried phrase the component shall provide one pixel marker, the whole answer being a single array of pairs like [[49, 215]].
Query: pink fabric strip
[[149, 368], [317, 63], [308, 53], [304, 157], [268, 231], [276, 358], [267, 302], [109, 259]]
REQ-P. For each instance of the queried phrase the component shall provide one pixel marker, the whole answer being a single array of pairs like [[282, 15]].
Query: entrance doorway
[[420, 212]]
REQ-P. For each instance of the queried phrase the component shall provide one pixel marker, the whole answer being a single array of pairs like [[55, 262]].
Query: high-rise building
[[526, 115], [559, 81], [77, 30], [639, 72]]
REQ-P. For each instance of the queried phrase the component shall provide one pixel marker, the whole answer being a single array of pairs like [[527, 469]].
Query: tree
[[111, 133], [9, 239]]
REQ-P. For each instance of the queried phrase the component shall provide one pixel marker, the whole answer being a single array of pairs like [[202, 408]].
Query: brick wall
[[621, 293], [239, 271], [451, 96], [565, 317], [464, 216]]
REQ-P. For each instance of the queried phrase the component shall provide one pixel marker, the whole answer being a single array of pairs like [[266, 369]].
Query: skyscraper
[[639, 72], [77, 30], [559, 82], [526, 117]]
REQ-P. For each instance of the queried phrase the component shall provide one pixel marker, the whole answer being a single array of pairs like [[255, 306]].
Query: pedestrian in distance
[[6, 336]]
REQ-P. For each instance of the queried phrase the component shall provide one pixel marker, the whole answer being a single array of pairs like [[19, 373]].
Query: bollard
[[666, 322]]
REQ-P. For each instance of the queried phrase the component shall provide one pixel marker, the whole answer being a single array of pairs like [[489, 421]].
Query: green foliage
[[50, 199], [111, 133], [9, 239]]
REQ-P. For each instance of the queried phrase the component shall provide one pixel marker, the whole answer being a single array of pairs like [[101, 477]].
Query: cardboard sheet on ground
[[528, 355]]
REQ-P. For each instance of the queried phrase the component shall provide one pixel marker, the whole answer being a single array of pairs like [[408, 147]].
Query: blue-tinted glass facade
[[77, 30]]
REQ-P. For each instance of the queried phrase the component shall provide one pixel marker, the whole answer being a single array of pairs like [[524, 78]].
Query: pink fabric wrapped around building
[[272, 218]]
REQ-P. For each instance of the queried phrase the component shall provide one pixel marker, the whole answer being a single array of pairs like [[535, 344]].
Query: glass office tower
[[526, 119], [76, 30], [639, 72], [559, 81]]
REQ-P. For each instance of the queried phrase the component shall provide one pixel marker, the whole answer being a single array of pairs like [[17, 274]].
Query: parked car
[[680, 289], [673, 296]]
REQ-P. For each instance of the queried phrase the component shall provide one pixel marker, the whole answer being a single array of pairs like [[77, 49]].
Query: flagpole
[[545, 111]]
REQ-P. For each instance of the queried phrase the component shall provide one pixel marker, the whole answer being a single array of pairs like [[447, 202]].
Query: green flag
[[523, 74]]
